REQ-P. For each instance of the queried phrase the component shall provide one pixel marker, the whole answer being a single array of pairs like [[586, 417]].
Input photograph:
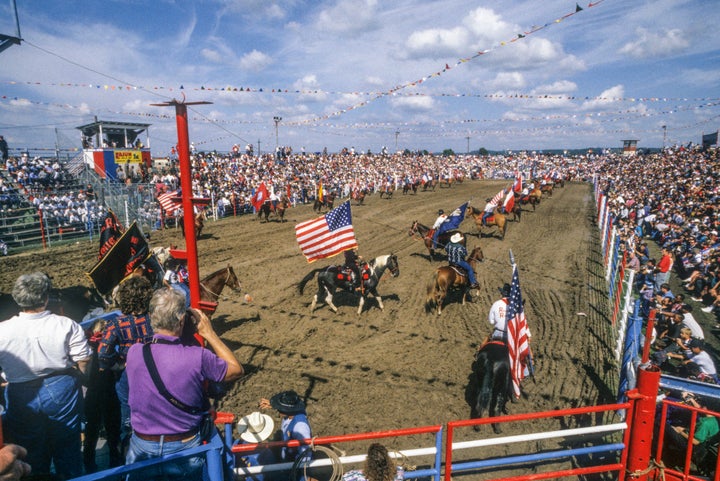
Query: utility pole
[[258, 148], [664, 127], [277, 121], [468, 144], [397, 132]]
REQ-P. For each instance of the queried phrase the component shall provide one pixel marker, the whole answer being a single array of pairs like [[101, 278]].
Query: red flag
[[327, 235], [517, 185], [509, 201], [260, 196], [517, 333], [169, 202]]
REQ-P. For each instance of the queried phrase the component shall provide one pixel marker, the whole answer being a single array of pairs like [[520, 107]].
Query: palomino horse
[[327, 202], [446, 278], [533, 198], [496, 219], [199, 223], [333, 277], [492, 370], [211, 286], [425, 233]]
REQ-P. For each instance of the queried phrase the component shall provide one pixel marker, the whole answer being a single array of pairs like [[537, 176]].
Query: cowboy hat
[[505, 289], [287, 402], [255, 427], [456, 237]]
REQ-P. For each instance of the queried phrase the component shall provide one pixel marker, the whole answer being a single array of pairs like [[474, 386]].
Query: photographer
[[168, 403]]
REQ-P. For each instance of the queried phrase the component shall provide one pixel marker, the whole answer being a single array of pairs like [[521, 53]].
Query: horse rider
[[352, 262], [496, 317], [274, 200], [456, 257], [436, 226], [488, 210]]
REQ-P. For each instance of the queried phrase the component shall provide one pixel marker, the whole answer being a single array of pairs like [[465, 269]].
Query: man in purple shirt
[[160, 426]]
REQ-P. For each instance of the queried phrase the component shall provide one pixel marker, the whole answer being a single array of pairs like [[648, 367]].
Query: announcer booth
[[629, 147], [116, 149]]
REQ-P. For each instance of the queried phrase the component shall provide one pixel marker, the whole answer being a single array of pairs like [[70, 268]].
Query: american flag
[[168, 202], [517, 333], [327, 235], [497, 200]]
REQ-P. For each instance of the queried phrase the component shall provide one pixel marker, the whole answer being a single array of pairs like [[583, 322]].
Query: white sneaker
[[708, 309]]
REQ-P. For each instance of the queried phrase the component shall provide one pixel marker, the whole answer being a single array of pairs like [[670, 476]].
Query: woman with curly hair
[[379, 466], [132, 327]]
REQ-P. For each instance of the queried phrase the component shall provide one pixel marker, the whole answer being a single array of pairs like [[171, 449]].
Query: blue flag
[[454, 219]]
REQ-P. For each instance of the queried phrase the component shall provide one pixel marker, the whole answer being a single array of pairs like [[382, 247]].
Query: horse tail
[[431, 290], [307, 278]]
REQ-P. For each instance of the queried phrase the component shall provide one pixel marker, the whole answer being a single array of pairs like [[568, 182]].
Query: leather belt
[[186, 436]]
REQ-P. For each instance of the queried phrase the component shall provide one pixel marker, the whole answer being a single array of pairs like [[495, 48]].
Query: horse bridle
[[217, 295]]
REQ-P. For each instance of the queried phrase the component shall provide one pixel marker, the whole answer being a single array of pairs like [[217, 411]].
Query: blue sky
[[366, 73]]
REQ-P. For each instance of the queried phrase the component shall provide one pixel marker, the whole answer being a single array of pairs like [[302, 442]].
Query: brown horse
[[326, 203], [426, 234], [211, 288], [387, 191], [266, 209], [430, 185], [446, 278], [547, 189], [359, 195], [496, 219], [199, 223]]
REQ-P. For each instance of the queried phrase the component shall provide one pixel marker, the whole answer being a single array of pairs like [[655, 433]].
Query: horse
[[492, 370], [358, 195], [327, 202], [386, 190], [212, 285], [333, 277], [446, 278], [533, 198], [425, 234], [199, 223], [516, 211], [281, 207], [547, 189], [496, 219], [408, 186], [74, 302], [430, 185]]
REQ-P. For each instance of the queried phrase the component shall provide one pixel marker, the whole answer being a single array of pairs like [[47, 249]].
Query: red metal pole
[[188, 208], [641, 427]]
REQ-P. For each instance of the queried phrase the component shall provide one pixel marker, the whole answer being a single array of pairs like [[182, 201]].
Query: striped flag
[[517, 333], [327, 235], [509, 202], [169, 201], [497, 200]]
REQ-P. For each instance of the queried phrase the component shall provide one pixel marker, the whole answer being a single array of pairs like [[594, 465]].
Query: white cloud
[[652, 44], [437, 43], [255, 61], [701, 77], [507, 80], [606, 99], [417, 102], [211, 55], [348, 16], [557, 88]]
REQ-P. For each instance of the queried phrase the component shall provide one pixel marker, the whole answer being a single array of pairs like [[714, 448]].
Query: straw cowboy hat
[[456, 237], [255, 427], [287, 402]]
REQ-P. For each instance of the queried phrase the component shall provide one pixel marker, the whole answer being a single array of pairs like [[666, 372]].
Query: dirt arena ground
[[400, 367]]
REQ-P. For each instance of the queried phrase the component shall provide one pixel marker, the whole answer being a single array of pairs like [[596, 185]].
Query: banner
[[128, 157], [128, 252], [110, 232]]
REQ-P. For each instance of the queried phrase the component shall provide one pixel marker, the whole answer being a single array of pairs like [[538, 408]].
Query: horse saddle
[[459, 270]]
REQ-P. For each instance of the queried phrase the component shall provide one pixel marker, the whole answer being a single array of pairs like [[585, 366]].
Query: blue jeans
[[189, 469], [471, 274], [44, 417], [123, 391]]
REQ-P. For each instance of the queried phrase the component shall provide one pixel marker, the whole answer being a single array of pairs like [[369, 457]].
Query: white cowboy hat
[[456, 237], [255, 427]]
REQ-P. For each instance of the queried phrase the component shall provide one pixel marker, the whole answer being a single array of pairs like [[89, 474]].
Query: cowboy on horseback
[[352, 262], [456, 257], [436, 226], [488, 210]]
